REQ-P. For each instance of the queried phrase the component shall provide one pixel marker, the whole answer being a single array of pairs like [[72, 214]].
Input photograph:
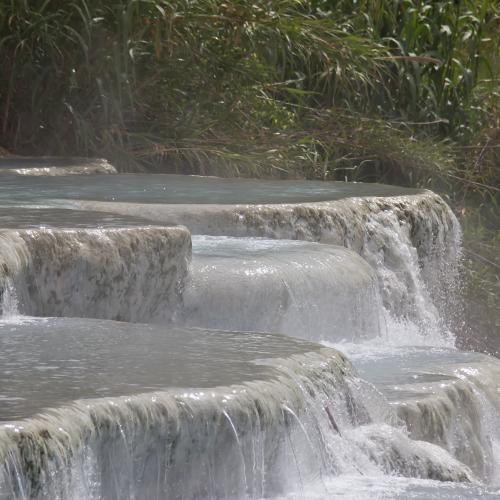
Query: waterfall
[[442, 396], [292, 421], [10, 304], [210, 384], [129, 274], [411, 241], [307, 290]]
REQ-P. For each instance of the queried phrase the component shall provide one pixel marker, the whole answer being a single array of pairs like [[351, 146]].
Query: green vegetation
[[397, 91], [260, 83]]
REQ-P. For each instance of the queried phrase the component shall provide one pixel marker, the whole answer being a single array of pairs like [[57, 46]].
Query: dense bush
[[283, 85]]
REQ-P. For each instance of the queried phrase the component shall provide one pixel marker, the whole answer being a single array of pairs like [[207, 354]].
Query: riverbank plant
[[167, 82]]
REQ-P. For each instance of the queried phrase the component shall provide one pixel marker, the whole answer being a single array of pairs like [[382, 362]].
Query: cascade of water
[[253, 439], [298, 288], [443, 396], [130, 274], [409, 237], [304, 424], [9, 259], [9, 306], [411, 241]]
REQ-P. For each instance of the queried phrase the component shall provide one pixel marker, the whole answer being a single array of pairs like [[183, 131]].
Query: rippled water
[[166, 188], [391, 488], [79, 358], [29, 217], [98, 409], [306, 290]]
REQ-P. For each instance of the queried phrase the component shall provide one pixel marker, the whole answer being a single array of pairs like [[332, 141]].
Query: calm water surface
[[175, 189]]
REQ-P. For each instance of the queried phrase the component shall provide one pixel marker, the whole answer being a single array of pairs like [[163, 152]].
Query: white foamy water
[[410, 238], [302, 289], [123, 410], [52, 166], [443, 396], [412, 241], [131, 273], [196, 414]]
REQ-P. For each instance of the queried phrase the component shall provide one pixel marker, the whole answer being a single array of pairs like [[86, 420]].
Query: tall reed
[[244, 87]]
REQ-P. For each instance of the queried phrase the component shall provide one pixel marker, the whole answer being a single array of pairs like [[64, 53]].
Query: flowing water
[[84, 264], [185, 399], [410, 238], [185, 189], [53, 166], [303, 289]]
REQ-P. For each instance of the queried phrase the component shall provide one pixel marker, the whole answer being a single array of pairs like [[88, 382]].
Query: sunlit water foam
[[412, 242], [54, 166], [444, 396], [293, 414], [428, 253], [411, 238], [129, 273], [302, 289]]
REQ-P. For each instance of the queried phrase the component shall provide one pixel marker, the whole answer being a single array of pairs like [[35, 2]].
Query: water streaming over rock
[[443, 396], [412, 242], [122, 410], [54, 166], [280, 424], [411, 238], [127, 273], [307, 290]]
